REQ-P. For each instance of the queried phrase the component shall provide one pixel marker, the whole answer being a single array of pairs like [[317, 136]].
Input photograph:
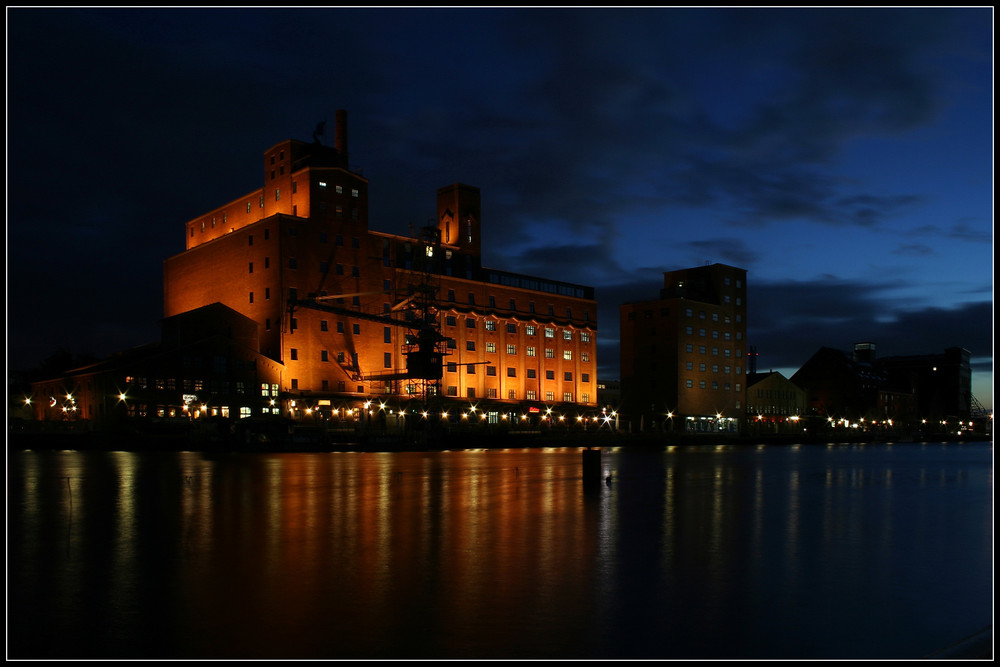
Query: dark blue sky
[[844, 157]]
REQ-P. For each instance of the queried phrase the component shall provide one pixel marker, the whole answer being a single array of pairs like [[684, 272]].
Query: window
[[387, 359], [387, 334], [491, 347], [531, 373], [470, 323], [529, 329], [324, 355], [567, 334], [550, 353], [511, 372], [550, 396], [356, 328], [470, 369], [292, 264], [470, 345], [491, 371], [323, 325], [530, 352], [491, 325], [251, 267], [568, 355], [567, 397], [295, 353], [550, 375], [584, 337], [568, 377], [585, 356], [530, 394], [251, 297], [512, 349], [585, 378], [550, 333], [511, 328]]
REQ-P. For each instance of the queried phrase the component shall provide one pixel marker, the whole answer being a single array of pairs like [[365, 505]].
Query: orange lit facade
[[682, 355], [343, 309]]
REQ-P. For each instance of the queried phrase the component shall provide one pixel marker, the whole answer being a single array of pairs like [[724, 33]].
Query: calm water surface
[[838, 551]]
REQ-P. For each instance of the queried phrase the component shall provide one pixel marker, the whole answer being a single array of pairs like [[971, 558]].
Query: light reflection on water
[[757, 552]]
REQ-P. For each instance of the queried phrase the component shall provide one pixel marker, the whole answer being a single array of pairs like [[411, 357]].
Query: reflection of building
[[206, 365], [774, 403], [682, 354], [351, 313], [931, 387]]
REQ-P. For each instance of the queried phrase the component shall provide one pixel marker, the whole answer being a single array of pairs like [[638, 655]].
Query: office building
[[682, 355]]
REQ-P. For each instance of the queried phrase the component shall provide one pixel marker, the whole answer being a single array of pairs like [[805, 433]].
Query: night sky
[[844, 157]]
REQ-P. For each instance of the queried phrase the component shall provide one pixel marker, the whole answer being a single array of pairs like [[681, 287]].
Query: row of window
[[702, 384], [531, 373], [689, 348], [530, 394], [530, 351], [715, 368], [715, 333], [529, 329]]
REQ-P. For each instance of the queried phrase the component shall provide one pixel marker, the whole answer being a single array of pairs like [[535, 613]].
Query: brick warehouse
[[353, 314]]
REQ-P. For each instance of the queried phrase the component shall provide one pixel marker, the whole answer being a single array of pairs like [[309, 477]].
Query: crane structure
[[424, 347]]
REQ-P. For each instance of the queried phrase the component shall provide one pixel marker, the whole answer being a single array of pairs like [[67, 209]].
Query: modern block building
[[351, 313], [682, 355]]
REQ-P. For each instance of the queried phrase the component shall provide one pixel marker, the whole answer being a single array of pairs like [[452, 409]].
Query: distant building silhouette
[[682, 354], [206, 365], [909, 388]]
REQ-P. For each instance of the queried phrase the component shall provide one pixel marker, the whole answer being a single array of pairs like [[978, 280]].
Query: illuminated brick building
[[352, 313], [682, 354]]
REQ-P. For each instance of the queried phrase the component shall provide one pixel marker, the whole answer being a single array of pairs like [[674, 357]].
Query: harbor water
[[733, 551]]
